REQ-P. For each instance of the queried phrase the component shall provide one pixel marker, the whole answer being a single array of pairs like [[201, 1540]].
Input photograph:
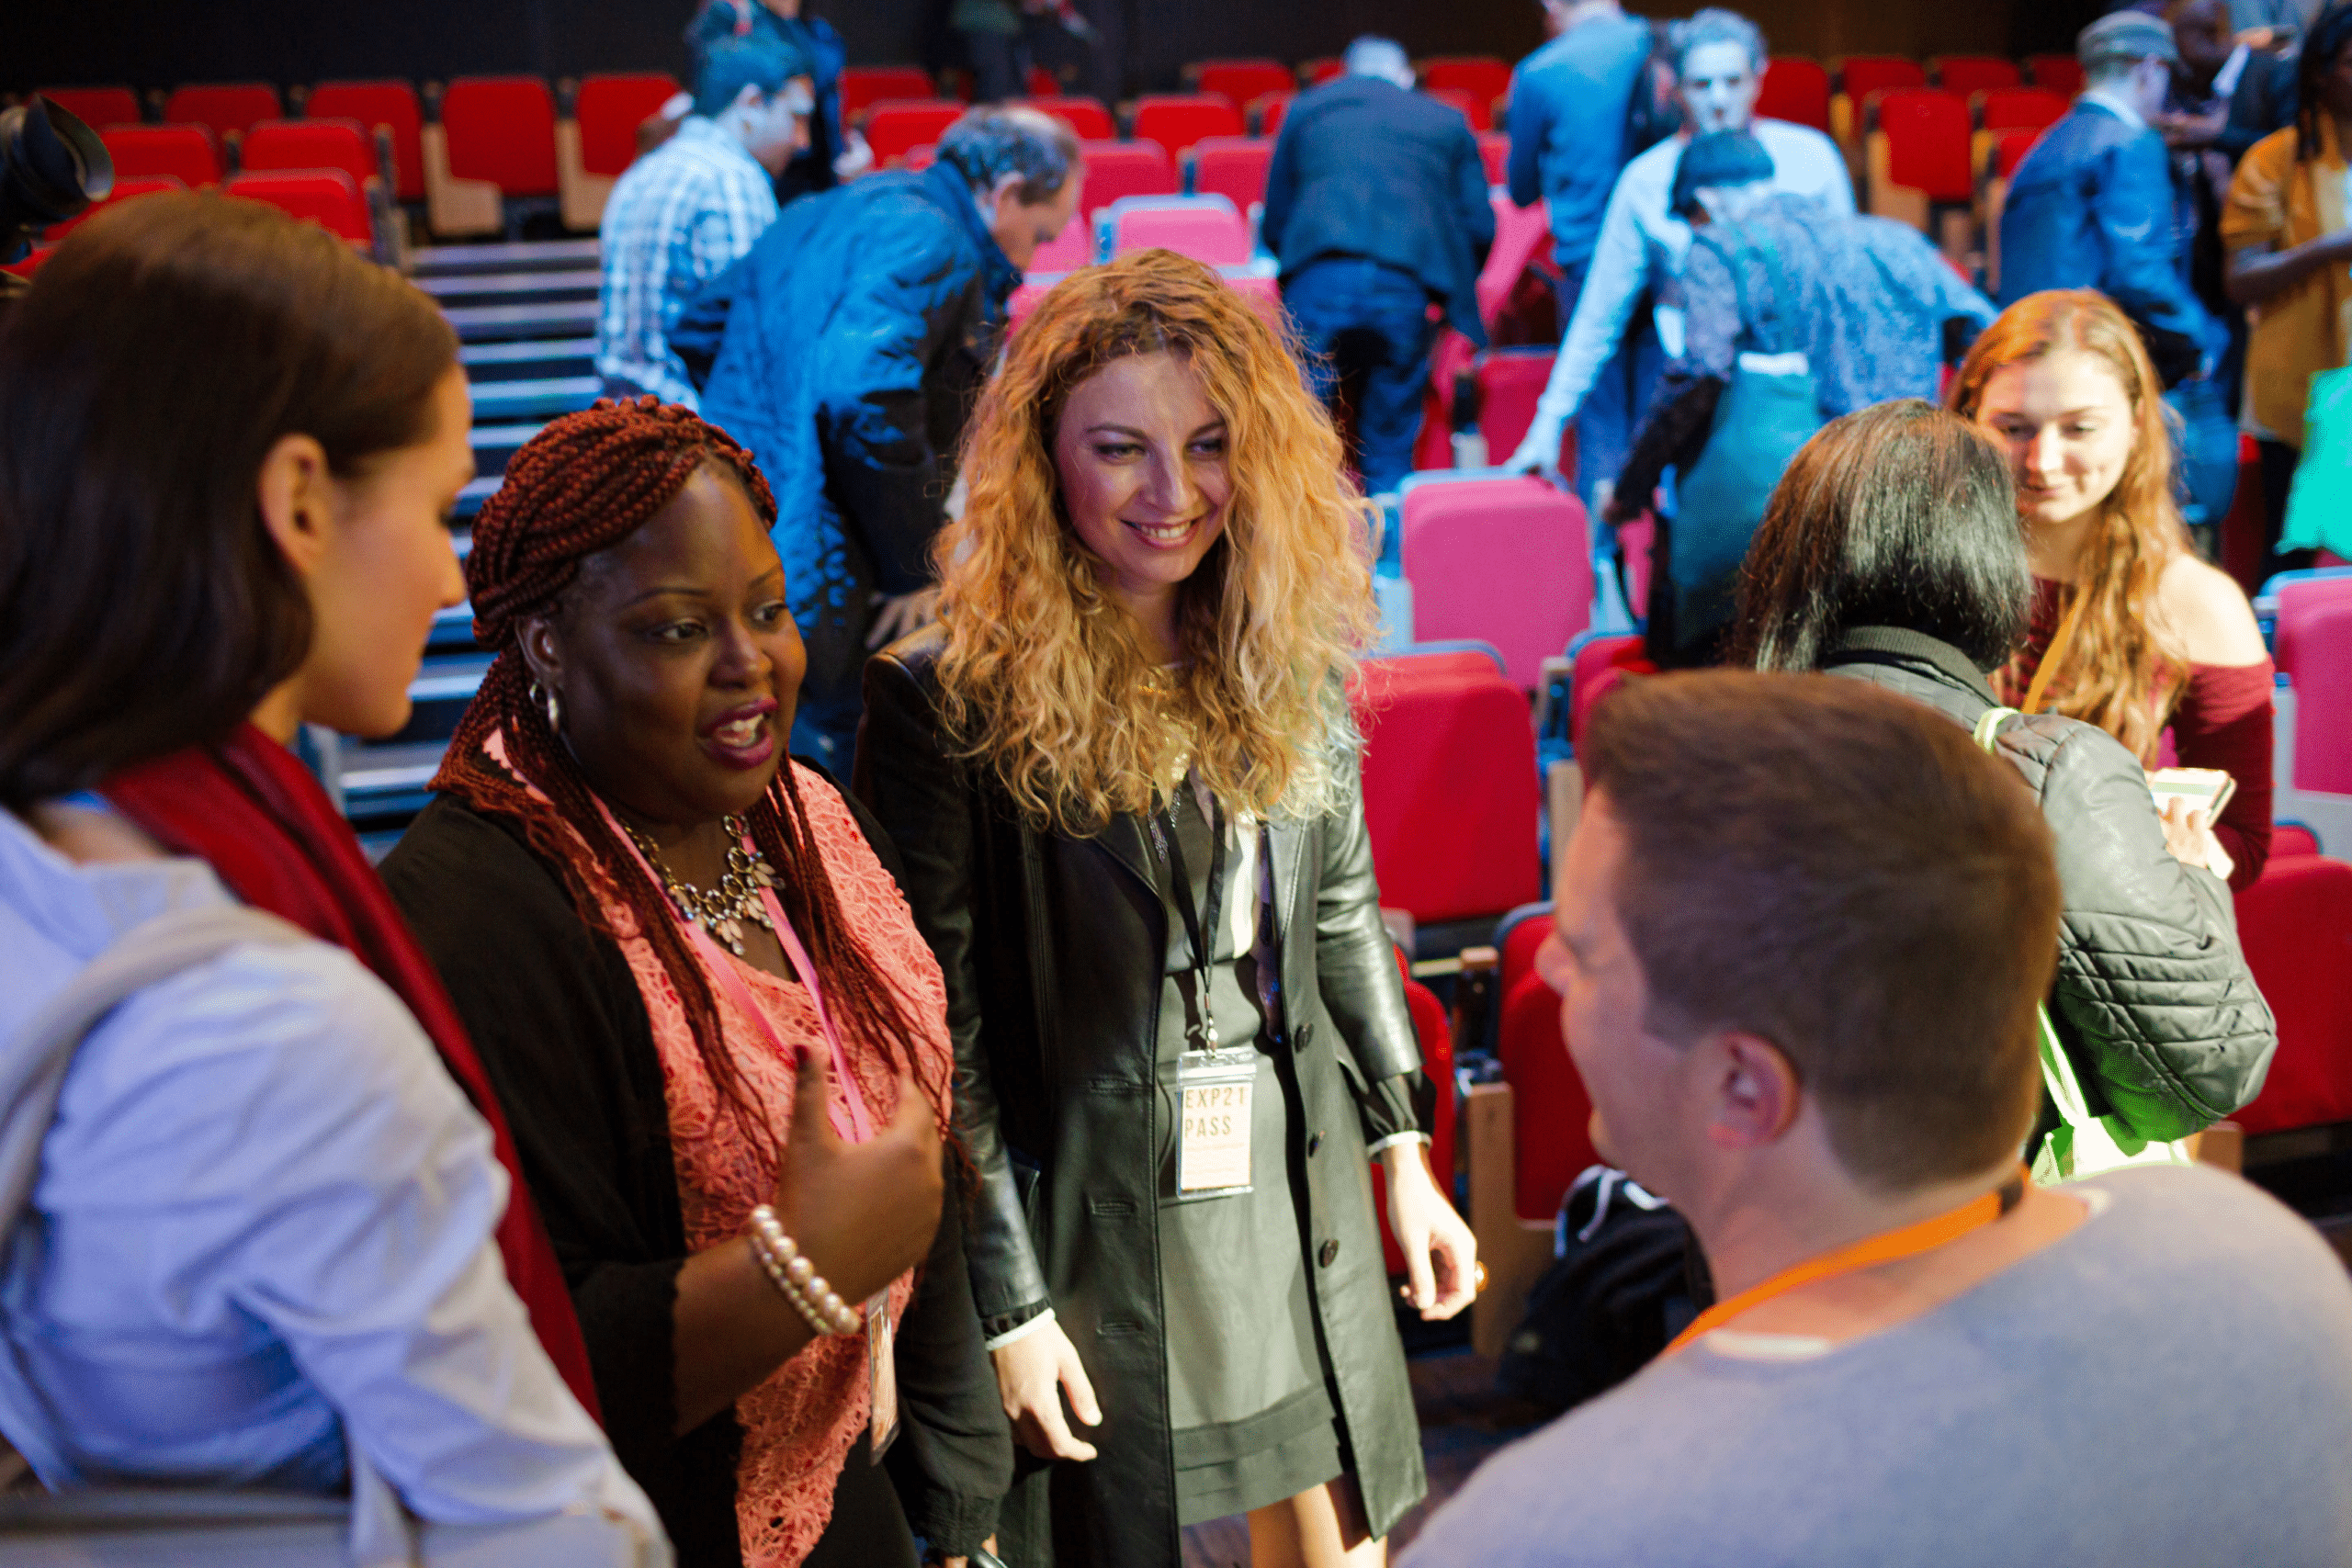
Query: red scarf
[[253, 810]]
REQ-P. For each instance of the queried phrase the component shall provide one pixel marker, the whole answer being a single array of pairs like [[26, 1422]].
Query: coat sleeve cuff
[[1021, 1329]]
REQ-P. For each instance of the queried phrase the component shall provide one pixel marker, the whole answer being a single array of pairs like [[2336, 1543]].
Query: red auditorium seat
[[2059, 73], [1482, 76], [372, 104], [1116, 169], [895, 125], [127, 187], [228, 109], [1917, 153], [1517, 936], [1321, 69], [95, 106], [1474, 109], [2009, 148], [1551, 1114], [1597, 667], [2296, 927], [183, 152], [277, 144], [502, 130], [2315, 651], [1042, 84], [1207, 230], [1431, 1028], [1267, 111], [1494, 150], [1860, 76], [1971, 74], [2016, 108], [2289, 840], [1505, 560], [1087, 118], [863, 86], [1233, 167], [1176, 120], [609, 109], [1522, 240], [1243, 81], [1451, 797], [328, 197], [1796, 89]]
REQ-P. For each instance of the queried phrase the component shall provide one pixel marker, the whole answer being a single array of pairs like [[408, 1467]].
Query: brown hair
[[2115, 670], [582, 485], [144, 375], [1841, 871]]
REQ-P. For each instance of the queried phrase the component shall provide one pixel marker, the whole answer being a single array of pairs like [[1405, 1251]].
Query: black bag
[[1652, 113], [1626, 1277]]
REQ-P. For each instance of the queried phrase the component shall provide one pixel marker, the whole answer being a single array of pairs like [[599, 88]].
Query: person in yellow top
[[2289, 244]]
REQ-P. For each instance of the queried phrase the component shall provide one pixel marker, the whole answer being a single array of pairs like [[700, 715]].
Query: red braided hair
[[582, 484]]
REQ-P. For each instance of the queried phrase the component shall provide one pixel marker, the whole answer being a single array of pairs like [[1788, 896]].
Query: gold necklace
[[723, 909]]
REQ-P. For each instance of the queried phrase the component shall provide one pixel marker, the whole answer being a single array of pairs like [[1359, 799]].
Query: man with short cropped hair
[[1801, 933], [847, 351], [683, 212]]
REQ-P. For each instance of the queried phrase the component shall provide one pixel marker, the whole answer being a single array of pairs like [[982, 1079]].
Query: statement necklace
[[723, 909]]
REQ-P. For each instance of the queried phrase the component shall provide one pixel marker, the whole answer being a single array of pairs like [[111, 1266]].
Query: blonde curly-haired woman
[[1122, 775]]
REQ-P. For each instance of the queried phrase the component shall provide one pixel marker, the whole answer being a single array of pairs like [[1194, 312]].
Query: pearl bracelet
[[797, 1279]]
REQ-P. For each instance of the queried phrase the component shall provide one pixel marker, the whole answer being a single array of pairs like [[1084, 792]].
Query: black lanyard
[[1200, 925]]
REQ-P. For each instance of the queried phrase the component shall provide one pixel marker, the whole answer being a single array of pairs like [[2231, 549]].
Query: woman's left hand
[[1441, 1255]]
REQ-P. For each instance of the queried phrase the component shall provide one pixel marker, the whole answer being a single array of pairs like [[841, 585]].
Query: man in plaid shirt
[[684, 211]]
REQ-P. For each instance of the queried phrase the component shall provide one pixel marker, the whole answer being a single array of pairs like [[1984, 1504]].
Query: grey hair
[[989, 144], [1715, 25], [1372, 55]]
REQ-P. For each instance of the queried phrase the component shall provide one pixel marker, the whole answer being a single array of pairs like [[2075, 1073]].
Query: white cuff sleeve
[[1026, 1329], [1389, 1142]]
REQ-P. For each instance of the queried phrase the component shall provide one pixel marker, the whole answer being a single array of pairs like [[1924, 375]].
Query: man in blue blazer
[[1376, 205]]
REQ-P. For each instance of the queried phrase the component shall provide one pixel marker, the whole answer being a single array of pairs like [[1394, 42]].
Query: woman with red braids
[[703, 1004]]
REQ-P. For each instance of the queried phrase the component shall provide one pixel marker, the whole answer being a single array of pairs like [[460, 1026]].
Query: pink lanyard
[[857, 1125]]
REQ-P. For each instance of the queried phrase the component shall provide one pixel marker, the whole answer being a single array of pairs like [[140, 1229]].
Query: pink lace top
[[799, 1423]]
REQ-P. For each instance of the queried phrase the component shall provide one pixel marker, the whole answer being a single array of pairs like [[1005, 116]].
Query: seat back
[[1598, 664], [127, 187], [1042, 82], [2295, 925], [2016, 108], [1205, 228], [1241, 81], [1494, 152], [1087, 118], [1796, 89], [894, 125], [1918, 143], [1522, 239], [276, 144], [1233, 167], [183, 152], [328, 197], [1267, 111], [502, 130], [1176, 120], [1478, 111], [609, 109], [2314, 650], [1510, 380], [1321, 69], [95, 106], [1967, 74], [1551, 1113], [1450, 796], [865, 86], [1118, 169], [1504, 559], [1068, 251], [1517, 936], [227, 109], [1860, 76], [2289, 840], [2059, 73], [1482, 77], [372, 104]]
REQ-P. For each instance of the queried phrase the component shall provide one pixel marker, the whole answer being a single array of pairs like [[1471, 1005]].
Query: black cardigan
[[563, 1034]]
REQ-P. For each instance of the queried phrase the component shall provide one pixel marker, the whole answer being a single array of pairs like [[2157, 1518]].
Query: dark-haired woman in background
[[658, 928], [259, 1250], [1891, 552]]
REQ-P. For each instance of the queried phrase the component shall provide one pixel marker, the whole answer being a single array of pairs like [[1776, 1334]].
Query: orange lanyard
[[1908, 1242]]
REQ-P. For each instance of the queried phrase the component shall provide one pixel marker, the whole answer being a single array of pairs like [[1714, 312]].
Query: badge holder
[[1214, 1090]]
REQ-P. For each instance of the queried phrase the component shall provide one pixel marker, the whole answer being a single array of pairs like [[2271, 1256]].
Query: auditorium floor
[[1463, 1421]]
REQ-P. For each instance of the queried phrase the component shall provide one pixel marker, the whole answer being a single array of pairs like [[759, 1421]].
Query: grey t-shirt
[[2167, 1386]]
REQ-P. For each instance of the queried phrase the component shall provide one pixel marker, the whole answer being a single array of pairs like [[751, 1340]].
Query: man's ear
[[292, 496], [1754, 1090], [1006, 188]]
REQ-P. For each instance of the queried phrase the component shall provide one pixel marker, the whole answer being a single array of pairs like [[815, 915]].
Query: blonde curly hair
[[1047, 685]]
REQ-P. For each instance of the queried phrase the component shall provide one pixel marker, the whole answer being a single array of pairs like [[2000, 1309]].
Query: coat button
[[1314, 1144], [1330, 1250]]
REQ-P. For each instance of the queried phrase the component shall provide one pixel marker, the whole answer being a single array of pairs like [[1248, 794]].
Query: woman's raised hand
[[1030, 1375], [862, 1213]]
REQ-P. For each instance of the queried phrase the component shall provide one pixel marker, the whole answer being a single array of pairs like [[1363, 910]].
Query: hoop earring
[[550, 704]]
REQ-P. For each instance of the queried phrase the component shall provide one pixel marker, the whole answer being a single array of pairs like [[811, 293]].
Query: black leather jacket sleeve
[[924, 799], [1356, 965], [2152, 987]]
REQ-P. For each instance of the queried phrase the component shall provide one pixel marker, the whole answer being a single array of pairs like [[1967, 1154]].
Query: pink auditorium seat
[[2315, 651], [1522, 239], [1233, 167], [1796, 89], [387, 102], [1500, 559], [502, 130], [183, 152], [1510, 380], [95, 106], [864, 84], [288, 144], [1207, 228], [1450, 796], [1176, 120], [895, 126], [228, 109], [1431, 1029], [1494, 150], [1551, 1114], [1070, 249], [1087, 118], [1116, 169], [328, 197], [1243, 81], [2296, 927]]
